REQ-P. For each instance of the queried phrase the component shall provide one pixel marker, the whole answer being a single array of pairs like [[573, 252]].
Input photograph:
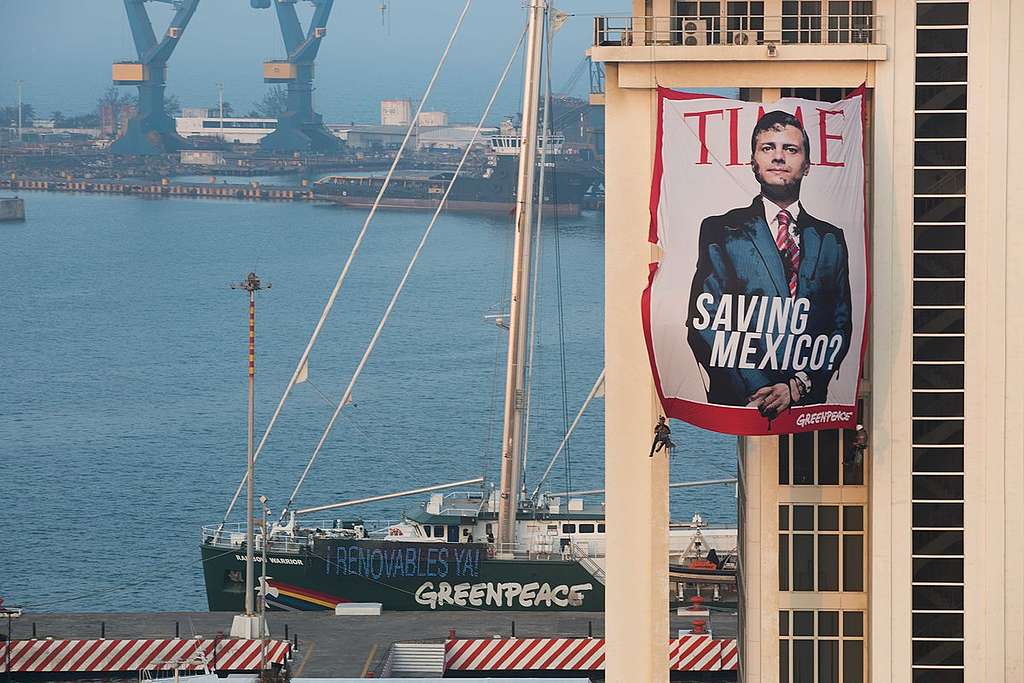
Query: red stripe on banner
[[592, 657], [32, 653], [453, 654], [114, 654], [52, 651], [526, 647], [517, 645], [70, 654], [58, 656], [547, 663], [702, 661], [494, 649], [148, 654], [859, 92], [249, 657], [124, 657], [548, 644], [78, 664], [689, 645], [229, 655], [478, 647], [568, 660]]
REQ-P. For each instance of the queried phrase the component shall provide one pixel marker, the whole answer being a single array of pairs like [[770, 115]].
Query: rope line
[[347, 395], [352, 254]]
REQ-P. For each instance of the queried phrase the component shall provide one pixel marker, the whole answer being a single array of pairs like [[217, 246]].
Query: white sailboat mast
[[511, 439]]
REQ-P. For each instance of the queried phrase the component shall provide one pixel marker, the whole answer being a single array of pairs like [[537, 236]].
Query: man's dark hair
[[774, 120]]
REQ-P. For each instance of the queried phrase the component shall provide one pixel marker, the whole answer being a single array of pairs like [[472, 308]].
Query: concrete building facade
[[906, 563]]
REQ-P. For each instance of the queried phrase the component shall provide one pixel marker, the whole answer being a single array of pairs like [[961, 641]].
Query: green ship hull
[[401, 575]]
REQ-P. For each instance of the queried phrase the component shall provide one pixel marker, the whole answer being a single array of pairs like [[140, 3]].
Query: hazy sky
[[63, 49]]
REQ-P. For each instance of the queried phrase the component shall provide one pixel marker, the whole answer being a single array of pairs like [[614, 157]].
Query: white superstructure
[[246, 131]]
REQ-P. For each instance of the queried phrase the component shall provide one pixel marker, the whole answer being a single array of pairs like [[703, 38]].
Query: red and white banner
[[689, 653], [755, 315], [184, 654]]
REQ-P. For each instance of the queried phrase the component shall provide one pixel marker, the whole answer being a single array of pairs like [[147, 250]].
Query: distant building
[[453, 137], [395, 112], [432, 119], [368, 137], [246, 131]]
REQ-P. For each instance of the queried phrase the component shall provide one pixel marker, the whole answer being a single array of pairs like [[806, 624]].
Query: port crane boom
[[151, 130]]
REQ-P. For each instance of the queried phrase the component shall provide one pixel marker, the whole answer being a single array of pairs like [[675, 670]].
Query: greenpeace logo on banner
[[824, 417], [510, 594], [756, 313]]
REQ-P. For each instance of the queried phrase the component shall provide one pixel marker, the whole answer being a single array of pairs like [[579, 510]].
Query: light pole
[[244, 624], [20, 84], [220, 90]]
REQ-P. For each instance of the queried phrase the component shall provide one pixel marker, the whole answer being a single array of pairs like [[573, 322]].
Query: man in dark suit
[[772, 248]]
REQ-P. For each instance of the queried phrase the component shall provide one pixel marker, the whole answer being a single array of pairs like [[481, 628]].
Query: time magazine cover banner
[[755, 315]]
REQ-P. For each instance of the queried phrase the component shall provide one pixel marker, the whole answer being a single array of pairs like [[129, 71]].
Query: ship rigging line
[[348, 262], [568, 433], [347, 395]]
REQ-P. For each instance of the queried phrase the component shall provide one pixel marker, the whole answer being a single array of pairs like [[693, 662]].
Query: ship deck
[[339, 646]]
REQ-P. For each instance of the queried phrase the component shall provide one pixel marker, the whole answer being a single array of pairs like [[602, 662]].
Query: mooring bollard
[[177, 629], [103, 630], [286, 632], [513, 628], [590, 629], [295, 637], [33, 630]]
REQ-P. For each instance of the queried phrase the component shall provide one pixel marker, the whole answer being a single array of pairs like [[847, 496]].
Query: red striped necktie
[[788, 249]]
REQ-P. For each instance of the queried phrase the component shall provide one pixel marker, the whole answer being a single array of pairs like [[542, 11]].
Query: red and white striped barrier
[[730, 655], [689, 653], [525, 654], [193, 654], [694, 653]]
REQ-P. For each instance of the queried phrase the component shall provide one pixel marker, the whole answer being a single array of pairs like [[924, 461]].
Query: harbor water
[[123, 393]]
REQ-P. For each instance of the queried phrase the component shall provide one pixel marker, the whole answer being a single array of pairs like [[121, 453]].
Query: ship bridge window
[[586, 528], [600, 528], [568, 528], [426, 530], [438, 531]]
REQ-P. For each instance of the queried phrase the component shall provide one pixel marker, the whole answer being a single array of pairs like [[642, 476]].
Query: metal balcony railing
[[739, 30]]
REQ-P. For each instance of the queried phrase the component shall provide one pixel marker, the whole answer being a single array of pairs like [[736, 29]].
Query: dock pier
[[325, 645]]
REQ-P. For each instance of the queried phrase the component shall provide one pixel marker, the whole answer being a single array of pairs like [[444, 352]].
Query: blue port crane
[[299, 128], [151, 130]]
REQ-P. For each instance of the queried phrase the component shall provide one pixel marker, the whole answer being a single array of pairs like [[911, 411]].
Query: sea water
[[123, 355]]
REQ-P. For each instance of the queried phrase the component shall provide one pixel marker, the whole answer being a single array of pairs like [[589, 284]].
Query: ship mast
[[511, 438]]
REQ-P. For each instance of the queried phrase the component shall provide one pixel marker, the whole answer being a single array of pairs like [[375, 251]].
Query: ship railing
[[740, 29], [232, 535]]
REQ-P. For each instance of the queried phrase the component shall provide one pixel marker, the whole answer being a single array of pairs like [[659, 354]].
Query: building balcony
[[712, 38]]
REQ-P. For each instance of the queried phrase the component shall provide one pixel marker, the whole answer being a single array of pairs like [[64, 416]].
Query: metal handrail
[[737, 30], [232, 535]]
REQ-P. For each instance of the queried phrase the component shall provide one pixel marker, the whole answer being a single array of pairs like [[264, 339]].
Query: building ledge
[[845, 52]]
